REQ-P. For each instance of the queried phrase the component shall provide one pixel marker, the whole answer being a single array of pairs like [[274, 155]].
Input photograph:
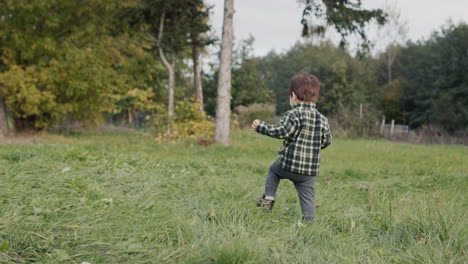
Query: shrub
[[189, 122], [247, 114], [433, 134], [346, 122]]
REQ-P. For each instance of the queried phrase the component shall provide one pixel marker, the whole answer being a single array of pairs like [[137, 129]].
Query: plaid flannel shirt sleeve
[[285, 128], [326, 135]]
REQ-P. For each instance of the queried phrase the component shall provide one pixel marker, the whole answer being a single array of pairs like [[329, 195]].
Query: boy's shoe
[[304, 223], [267, 204]]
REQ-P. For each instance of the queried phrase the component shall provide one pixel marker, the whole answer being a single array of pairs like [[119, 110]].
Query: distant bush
[[436, 135], [189, 122], [348, 123], [247, 114]]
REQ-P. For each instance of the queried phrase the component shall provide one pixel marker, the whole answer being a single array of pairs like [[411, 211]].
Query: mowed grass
[[122, 198]]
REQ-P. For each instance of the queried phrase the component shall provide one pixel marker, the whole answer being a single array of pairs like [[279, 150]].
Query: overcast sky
[[275, 24]]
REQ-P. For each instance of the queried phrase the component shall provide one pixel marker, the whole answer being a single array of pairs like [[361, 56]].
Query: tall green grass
[[122, 198]]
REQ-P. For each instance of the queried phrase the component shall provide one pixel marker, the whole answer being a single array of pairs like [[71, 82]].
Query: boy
[[305, 132]]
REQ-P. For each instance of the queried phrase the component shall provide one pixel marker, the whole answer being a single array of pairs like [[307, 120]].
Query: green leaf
[[61, 255], [5, 245]]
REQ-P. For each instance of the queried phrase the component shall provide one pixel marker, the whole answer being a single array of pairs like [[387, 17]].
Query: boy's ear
[[294, 96]]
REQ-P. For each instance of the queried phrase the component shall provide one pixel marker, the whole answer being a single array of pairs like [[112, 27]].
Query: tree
[[345, 81], [70, 64], [198, 40], [248, 82], [56, 65], [392, 35], [345, 16], [223, 106], [142, 87], [166, 28], [170, 68], [197, 81], [174, 27], [4, 130], [435, 83]]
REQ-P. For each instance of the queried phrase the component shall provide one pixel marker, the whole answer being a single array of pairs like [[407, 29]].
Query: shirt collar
[[306, 105]]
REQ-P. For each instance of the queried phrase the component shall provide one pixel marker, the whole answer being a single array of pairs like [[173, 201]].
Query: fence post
[[360, 111], [382, 126], [391, 127]]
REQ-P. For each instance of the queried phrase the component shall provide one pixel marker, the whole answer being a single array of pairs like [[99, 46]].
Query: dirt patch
[[101, 128], [111, 128], [34, 137], [24, 139]]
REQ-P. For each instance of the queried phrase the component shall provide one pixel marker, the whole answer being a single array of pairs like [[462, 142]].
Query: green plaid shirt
[[305, 132]]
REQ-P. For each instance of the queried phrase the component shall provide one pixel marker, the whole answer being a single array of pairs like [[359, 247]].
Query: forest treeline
[[91, 60], [428, 84], [87, 60]]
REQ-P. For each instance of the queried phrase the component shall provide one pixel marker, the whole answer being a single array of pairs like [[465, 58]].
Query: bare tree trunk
[[171, 85], [391, 55], [223, 107], [197, 75], [4, 130], [170, 69], [389, 68], [130, 116], [170, 99]]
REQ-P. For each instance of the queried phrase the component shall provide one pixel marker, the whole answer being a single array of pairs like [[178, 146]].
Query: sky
[[275, 24]]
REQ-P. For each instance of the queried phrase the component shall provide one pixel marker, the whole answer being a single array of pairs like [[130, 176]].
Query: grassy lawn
[[122, 198]]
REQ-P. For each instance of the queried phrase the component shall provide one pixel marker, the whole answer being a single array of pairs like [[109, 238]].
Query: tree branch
[[160, 35]]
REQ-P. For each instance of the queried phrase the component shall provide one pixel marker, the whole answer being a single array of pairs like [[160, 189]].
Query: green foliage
[[82, 59], [348, 123], [392, 98], [247, 114], [189, 122], [140, 73], [25, 98], [28, 37], [76, 62], [249, 86], [184, 21], [122, 198], [82, 84], [185, 24], [435, 80], [344, 80], [345, 16]]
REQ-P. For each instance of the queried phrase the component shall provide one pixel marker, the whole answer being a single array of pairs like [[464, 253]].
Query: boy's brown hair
[[306, 87]]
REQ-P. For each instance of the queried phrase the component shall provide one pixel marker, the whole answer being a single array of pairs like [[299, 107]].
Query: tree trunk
[[4, 130], [130, 116], [171, 86], [170, 69], [391, 55], [389, 68], [170, 100], [197, 75], [223, 106]]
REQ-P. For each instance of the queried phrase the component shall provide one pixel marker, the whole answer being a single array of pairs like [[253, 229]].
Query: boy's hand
[[255, 124]]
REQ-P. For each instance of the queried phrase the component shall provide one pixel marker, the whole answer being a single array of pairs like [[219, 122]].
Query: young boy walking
[[305, 132]]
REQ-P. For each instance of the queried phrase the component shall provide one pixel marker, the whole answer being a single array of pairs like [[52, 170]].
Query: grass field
[[121, 198]]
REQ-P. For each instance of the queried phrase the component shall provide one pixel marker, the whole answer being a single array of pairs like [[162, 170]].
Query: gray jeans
[[305, 187]]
